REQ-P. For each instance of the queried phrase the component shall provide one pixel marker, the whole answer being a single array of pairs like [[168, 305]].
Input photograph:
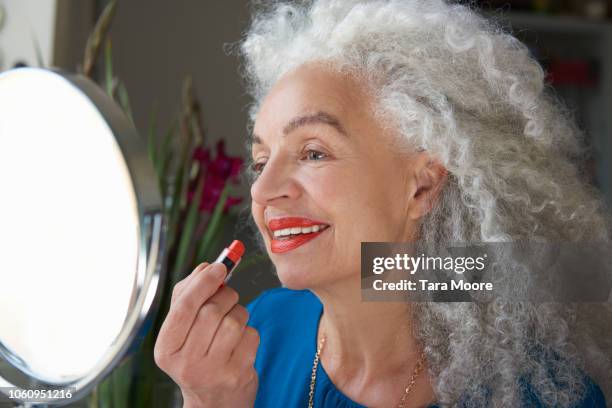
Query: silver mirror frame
[[150, 274]]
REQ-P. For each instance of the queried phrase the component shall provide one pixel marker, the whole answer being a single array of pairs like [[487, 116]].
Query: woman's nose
[[276, 180]]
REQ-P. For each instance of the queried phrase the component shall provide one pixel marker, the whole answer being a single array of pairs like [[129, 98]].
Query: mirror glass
[[71, 233]]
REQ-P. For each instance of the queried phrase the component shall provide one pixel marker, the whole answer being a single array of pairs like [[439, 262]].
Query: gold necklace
[[313, 377]]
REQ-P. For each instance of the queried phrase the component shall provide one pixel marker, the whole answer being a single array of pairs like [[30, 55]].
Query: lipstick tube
[[230, 257]]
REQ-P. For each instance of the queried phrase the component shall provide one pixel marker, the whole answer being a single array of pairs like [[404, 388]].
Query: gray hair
[[456, 84]]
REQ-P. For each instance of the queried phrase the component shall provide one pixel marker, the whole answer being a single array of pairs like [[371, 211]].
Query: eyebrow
[[319, 117]]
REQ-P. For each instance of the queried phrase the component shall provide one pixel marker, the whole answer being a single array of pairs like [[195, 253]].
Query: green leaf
[[187, 232], [124, 100], [114, 389], [213, 226], [164, 172], [186, 160], [175, 208], [215, 246], [92, 401], [165, 155], [108, 64], [105, 395], [165, 144], [180, 186], [144, 383], [92, 48], [121, 379]]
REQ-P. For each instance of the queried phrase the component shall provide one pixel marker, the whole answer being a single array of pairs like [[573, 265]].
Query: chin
[[297, 278]]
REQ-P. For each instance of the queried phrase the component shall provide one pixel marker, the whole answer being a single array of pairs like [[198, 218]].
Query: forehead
[[309, 89]]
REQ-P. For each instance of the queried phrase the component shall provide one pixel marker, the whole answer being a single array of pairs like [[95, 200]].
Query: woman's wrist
[[193, 401], [196, 401]]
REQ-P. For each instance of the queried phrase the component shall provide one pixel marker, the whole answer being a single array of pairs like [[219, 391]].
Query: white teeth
[[297, 230], [282, 232]]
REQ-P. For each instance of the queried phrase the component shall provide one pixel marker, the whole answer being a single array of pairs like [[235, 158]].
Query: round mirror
[[80, 230]]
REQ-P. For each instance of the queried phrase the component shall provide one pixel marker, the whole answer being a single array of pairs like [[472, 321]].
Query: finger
[[183, 312], [208, 320], [180, 285], [245, 352], [229, 333], [203, 285]]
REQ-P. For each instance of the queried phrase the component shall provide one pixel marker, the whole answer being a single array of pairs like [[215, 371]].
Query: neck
[[365, 342]]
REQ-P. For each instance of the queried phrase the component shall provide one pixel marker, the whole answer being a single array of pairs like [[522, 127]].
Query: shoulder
[[286, 321], [280, 304], [593, 396], [587, 392]]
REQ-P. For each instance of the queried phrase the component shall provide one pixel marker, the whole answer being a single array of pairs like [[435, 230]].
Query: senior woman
[[393, 121]]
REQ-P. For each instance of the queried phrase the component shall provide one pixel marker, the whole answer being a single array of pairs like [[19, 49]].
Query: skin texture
[[355, 181]]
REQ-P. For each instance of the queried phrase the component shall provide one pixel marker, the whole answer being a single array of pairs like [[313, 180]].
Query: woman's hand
[[204, 344]]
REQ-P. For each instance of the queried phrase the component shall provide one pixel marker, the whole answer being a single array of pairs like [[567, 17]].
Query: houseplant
[[196, 178]]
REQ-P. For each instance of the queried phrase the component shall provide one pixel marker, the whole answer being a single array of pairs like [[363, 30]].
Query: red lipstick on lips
[[287, 244]]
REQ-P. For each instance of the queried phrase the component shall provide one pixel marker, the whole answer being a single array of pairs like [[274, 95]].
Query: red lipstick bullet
[[230, 257]]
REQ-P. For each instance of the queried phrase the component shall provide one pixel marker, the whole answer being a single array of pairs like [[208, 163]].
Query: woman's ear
[[429, 179]]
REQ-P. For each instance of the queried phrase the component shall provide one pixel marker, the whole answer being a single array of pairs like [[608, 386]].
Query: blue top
[[287, 322]]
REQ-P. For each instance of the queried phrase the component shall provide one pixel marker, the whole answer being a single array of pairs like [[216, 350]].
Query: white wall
[[27, 21], [157, 43]]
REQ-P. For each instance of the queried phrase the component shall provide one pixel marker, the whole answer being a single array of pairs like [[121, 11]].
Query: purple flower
[[201, 154], [218, 172]]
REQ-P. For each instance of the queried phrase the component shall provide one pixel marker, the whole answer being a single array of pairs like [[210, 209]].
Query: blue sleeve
[[251, 307], [593, 397]]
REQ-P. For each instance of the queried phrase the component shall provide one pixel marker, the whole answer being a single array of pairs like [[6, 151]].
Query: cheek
[[258, 215], [322, 185], [354, 201], [331, 192], [365, 203]]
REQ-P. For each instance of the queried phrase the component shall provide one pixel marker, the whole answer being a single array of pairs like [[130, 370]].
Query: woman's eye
[[257, 168], [315, 155]]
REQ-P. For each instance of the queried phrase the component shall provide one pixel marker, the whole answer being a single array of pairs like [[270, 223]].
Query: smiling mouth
[[288, 234], [288, 239]]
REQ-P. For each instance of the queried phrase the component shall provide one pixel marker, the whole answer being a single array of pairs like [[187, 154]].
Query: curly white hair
[[455, 83]]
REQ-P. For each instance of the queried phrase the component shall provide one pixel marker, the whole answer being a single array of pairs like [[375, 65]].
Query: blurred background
[[156, 44]]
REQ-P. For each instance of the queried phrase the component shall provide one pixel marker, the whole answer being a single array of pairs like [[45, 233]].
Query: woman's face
[[323, 160]]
